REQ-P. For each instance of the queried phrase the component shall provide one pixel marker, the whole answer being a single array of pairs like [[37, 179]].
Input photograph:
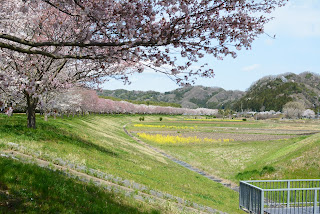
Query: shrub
[[267, 169], [160, 118], [246, 175], [244, 119]]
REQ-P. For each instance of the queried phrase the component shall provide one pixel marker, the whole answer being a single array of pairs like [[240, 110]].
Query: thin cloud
[[251, 67]]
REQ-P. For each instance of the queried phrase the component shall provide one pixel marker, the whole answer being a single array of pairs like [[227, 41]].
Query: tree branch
[[78, 44], [61, 10], [48, 54]]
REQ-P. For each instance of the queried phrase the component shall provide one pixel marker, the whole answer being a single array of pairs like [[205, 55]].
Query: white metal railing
[[280, 196]]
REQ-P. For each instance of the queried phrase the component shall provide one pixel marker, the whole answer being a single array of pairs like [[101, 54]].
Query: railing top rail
[[259, 181], [251, 185], [258, 195], [291, 189]]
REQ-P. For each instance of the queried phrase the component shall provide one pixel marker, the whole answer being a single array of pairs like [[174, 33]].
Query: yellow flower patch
[[219, 120], [170, 139], [164, 126]]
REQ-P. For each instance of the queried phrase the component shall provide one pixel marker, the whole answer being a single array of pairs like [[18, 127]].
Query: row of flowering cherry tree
[[82, 101], [47, 46]]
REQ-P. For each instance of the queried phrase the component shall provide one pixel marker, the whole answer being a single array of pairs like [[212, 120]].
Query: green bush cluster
[[246, 175], [141, 118]]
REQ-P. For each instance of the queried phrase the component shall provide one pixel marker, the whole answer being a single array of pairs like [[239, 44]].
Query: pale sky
[[295, 49]]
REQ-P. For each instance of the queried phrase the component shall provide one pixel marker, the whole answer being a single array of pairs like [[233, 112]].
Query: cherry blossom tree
[[33, 77], [49, 44], [309, 114], [47, 103], [9, 111], [293, 109], [144, 33], [68, 102], [89, 100]]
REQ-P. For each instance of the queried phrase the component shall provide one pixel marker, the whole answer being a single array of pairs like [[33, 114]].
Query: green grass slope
[[98, 142], [27, 188]]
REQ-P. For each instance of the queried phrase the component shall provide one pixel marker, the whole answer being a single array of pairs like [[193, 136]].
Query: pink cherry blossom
[[48, 46]]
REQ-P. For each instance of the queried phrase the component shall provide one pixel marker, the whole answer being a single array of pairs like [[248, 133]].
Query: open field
[[225, 135], [99, 143], [273, 149]]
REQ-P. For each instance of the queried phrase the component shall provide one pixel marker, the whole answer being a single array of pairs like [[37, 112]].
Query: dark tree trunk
[[31, 111]]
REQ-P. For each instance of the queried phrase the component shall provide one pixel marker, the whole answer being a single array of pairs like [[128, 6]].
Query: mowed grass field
[[241, 150], [97, 142]]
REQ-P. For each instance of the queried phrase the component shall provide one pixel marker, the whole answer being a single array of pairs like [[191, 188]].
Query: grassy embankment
[[27, 188], [98, 142], [297, 157]]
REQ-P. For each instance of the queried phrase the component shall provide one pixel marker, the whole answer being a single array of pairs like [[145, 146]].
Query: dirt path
[[138, 195], [224, 182]]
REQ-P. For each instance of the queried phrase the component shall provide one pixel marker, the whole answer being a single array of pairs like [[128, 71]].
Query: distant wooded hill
[[268, 93], [187, 97], [272, 92]]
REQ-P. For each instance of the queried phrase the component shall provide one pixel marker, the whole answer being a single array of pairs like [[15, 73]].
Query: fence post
[[288, 195], [315, 202], [250, 199], [240, 196], [262, 202]]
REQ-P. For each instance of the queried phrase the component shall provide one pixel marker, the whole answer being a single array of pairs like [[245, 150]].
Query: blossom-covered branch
[[51, 45]]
